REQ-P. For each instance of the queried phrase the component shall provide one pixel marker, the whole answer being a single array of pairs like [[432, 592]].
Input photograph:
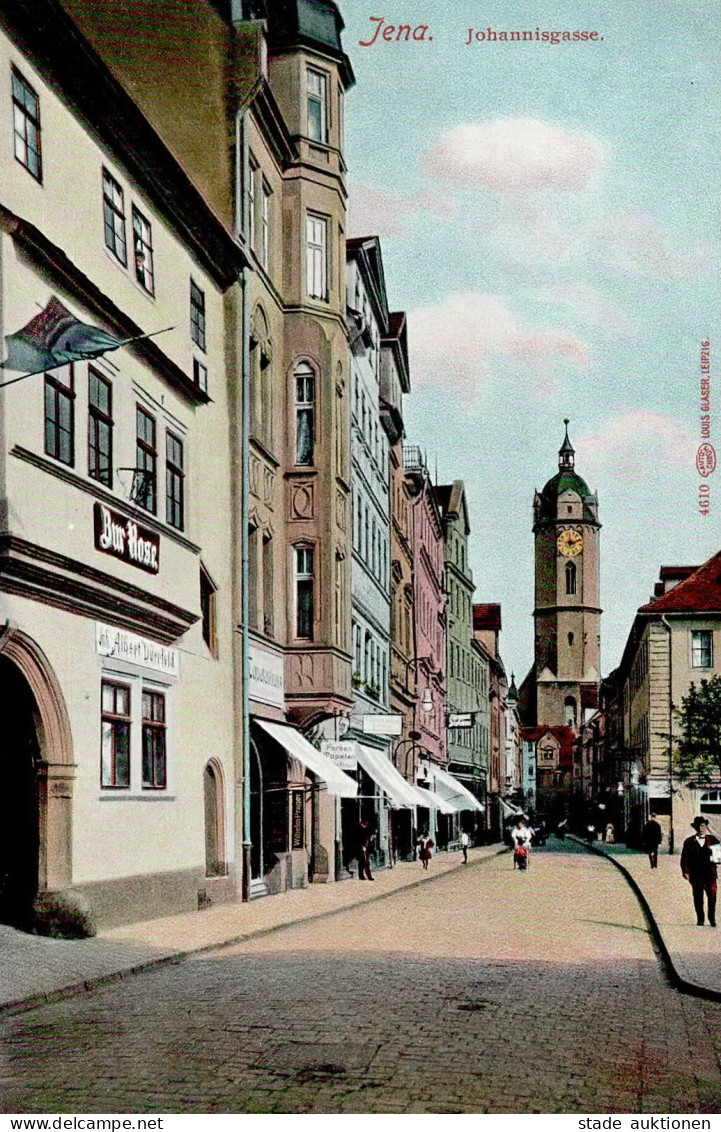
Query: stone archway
[[57, 910]]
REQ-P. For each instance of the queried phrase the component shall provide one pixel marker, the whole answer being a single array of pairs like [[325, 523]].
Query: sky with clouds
[[549, 217]]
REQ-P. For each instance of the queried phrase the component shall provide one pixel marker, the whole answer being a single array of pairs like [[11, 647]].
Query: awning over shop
[[509, 811], [336, 780], [454, 791], [401, 794], [432, 800]]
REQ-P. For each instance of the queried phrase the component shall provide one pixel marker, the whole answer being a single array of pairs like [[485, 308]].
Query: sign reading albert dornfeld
[[119, 644], [122, 537]]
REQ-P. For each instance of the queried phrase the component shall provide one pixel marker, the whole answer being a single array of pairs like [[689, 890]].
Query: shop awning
[[435, 801], [336, 780], [509, 811], [400, 793], [454, 791]]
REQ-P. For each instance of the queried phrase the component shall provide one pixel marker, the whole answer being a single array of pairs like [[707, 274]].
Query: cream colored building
[[675, 641], [256, 115], [117, 665]]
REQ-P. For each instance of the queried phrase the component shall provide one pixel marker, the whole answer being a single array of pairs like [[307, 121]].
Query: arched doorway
[[213, 796], [19, 799]]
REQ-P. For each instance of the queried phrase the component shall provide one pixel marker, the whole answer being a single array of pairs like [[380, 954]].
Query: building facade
[[467, 689], [115, 575]]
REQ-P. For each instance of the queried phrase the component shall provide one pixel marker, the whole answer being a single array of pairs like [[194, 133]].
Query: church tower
[[564, 680]]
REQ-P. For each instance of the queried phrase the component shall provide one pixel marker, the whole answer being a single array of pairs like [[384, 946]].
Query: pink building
[[429, 608]]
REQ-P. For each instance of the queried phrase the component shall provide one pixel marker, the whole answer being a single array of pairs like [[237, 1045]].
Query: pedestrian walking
[[610, 835], [652, 836], [464, 840], [364, 845], [425, 845], [700, 855], [521, 838]]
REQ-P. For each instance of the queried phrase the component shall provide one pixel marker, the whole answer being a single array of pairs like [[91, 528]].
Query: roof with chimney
[[487, 616], [698, 592]]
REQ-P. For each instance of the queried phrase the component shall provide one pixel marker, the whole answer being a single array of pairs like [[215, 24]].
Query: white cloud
[[463, 343], [638, 446], [637, 242], [514, 155], [372, 212], [590, 305]]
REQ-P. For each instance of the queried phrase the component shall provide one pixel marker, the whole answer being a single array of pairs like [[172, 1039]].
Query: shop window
[[154, 741], [115, 735]]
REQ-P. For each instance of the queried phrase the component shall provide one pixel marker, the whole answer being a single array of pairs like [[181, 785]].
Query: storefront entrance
[[19, 809]]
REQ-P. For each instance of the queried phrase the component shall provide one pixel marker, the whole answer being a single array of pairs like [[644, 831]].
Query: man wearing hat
[[699, 868]]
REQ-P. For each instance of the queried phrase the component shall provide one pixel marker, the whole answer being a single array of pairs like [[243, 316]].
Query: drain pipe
[[667, 627]]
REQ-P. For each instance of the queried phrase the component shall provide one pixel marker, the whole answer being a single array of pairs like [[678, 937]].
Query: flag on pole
[[54, 338]]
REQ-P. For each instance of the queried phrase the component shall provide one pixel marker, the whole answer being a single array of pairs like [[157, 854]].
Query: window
[[174, 482], [702, 648], [571, 578], [143, 248], [197, 315], [304, 414], [317, 87], [100, 428], [304, 593], [200, 375], [114, 217], [115, 735], [208, 611], [265, 226], [268, 620], [26, 126], [316, 257], [146, 459], [154, 754], [59, 414], [252, 171]]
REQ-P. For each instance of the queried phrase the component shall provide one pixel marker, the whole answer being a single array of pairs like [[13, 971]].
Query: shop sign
[[266, 682], [119, 644], [382, 724], [461, 720], [123, 538], [343, 755]]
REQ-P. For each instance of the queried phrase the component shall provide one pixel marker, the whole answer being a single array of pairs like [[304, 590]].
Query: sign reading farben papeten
[[119, 644]]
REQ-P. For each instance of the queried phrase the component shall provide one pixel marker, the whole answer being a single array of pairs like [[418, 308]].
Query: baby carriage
[[520, 857]]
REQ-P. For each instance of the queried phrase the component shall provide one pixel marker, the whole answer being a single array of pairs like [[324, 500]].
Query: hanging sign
[[123, 538], [343, 755]]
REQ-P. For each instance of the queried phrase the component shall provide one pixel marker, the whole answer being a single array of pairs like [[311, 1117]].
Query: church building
[[561, 689]]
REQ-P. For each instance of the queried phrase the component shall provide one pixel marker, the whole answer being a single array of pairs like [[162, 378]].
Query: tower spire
[[566, 452]]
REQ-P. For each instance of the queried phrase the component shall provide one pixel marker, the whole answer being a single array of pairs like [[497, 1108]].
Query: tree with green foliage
[[697, 759]]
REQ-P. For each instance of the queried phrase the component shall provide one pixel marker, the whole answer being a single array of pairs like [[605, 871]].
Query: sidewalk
[[35, 969], [692, 953]]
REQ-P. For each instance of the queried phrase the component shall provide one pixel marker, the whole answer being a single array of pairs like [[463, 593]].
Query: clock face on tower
[[570, 543]]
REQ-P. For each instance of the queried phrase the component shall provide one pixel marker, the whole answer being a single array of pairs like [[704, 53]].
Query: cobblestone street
[[483, 991]]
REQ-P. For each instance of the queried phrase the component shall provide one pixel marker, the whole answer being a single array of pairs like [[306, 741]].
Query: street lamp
[[427, 702]]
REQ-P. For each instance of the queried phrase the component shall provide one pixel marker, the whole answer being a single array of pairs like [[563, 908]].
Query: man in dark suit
[[699, 869], [652, 838]]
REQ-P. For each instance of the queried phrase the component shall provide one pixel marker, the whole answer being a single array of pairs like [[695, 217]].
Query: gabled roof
[[698, 593], [563, 734], [366, 250], [487, 616], [451, 499]]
